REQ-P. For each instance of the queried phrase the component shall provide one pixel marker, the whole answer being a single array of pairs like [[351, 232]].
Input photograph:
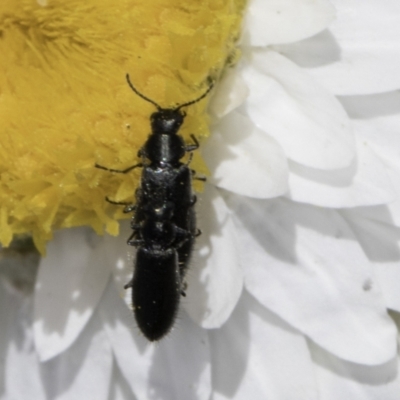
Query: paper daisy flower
[[290, 287]]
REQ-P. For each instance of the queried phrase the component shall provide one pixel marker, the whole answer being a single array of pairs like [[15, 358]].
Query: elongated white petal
[[339, 379], [360, 54], [215, 277], [85, 370], [230, 93], [70, 282], [380, 241], [132, 353], [305, 264], [267, 358], [245, 160], [156, 370], [308, 122], [378, 110], [19, 367], [120, 389], [285, 21], [377, 122], [366, 182], [122, 259]]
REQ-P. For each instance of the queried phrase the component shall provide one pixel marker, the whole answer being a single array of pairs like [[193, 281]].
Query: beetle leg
[[192, 147]]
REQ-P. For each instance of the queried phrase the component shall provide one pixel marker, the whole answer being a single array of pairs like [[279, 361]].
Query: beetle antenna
[[140, 94], [198, 99]]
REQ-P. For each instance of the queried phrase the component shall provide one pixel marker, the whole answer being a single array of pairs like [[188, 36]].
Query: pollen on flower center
[[65, 104]]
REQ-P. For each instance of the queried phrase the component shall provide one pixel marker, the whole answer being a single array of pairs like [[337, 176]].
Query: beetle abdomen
[[156, 291]]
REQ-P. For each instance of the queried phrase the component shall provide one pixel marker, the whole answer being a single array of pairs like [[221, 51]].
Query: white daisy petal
[[388, 214], [380, 242], [268, 359], [381, 110], [304, 264], [230, 93], [156, 370], [284, 21], [90, 376], [215, 278], [70, 282], [377, 122], [339, 379], [170, 364], [309, 123], [121, 258], [19, 368], [365, 182], [244, 159], [120, 389], [132, 352], [361, 52]]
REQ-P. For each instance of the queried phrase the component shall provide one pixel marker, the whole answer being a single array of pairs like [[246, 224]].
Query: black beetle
[[164, 222]]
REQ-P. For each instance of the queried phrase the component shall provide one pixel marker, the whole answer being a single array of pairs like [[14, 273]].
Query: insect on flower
[[164, 221]]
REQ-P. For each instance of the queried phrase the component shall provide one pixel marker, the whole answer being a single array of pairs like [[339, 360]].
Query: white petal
[[132, 353], [285, 21], [85, 370], [339, 379], [215, 279], [309, 123], [366, 182], [244, 159], [361, 54], [230, 93], [157, 370], [19, 367], [388, 214], [70, 282], [121, 258], [380, 241], [120, 389], [304, 264], [377, 121], [256, 355], [381, 110]]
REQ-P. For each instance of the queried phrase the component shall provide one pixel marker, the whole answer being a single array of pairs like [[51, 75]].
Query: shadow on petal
[[316, 51], [375, 375]]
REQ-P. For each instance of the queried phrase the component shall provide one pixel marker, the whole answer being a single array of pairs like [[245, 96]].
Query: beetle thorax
[[164, 149]]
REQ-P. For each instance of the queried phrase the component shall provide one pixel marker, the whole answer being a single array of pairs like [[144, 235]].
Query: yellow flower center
[[65, 104]]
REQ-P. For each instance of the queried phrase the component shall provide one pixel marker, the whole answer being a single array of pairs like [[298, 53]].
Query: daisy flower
[[291, 281]]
